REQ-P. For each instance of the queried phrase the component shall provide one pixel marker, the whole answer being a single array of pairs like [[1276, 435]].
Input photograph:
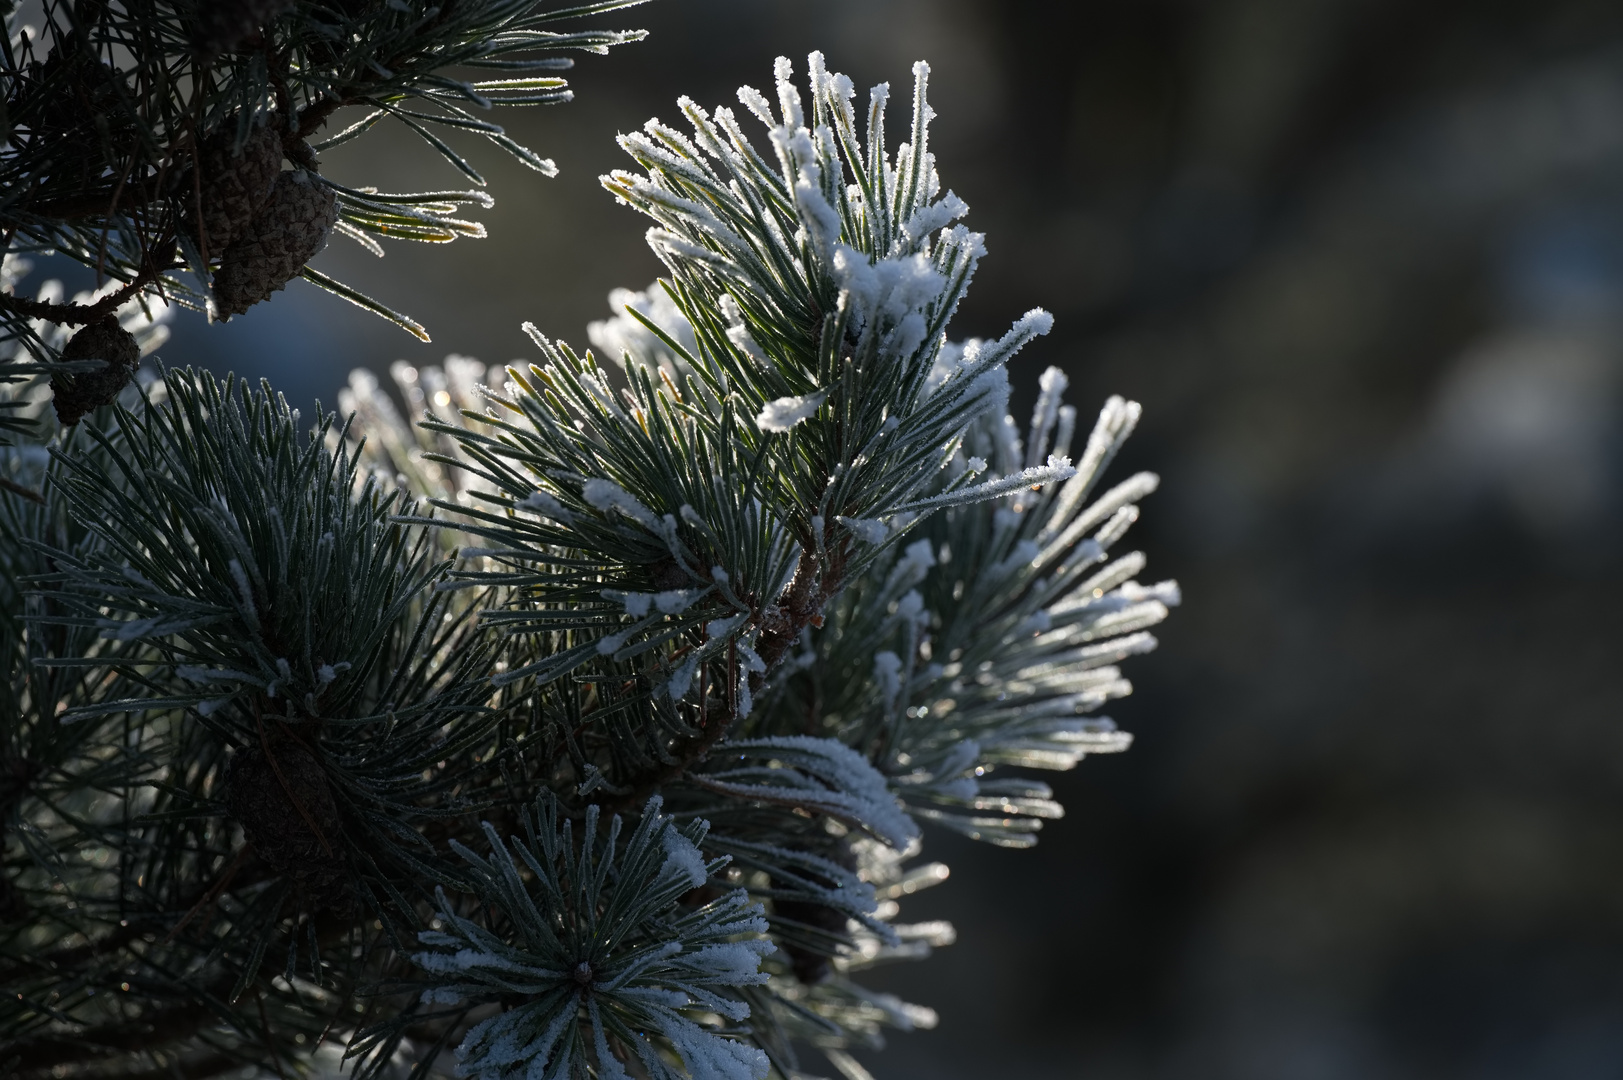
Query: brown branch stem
[[780, 625], [23, 490], [81, 314]]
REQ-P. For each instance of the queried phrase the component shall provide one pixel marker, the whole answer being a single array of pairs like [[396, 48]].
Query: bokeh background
[[1362, 262]]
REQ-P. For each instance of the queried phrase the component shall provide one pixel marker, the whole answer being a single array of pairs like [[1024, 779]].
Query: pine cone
[[73, 100], [276, 803], [77, 393], [812, 966], [224, 25], [235, 184], [287, 232], [70, 90]]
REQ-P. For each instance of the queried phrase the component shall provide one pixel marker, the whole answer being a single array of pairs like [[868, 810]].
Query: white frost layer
[[786, 412]]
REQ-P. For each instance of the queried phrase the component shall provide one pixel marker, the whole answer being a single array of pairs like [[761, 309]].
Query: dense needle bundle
[[588, 730]]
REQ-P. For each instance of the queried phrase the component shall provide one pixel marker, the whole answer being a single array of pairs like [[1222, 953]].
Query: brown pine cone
[[76, 393], [224, 25], [288, 231], [73, 100], [811, 965], [235, 184], [276, 803]]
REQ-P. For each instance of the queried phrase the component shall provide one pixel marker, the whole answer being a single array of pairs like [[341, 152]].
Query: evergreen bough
[[581, 720], [146, 139]]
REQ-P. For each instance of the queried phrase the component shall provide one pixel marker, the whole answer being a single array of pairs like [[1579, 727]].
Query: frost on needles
[[601, 715], [791, 549]]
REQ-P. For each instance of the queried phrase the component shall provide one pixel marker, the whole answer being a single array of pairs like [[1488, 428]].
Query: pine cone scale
[[287, 232], [76, 393], [277, 799], [231, 185]]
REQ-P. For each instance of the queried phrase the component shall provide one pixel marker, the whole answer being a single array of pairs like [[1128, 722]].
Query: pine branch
[[127, 127], [783, 585], [79, 314]]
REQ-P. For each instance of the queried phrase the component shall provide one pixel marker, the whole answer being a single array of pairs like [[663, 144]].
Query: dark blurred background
[[1362, 262]]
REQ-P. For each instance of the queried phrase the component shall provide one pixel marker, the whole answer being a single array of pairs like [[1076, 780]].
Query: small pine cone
[[234, 185], [287, 232], [668, 574], [71, 89], [224, 25], [276, 803], [73, 100], [77, 393], [811, 966]]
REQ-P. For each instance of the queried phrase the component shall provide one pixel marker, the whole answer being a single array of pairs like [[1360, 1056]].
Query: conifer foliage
[[586, 719], [146, 139]]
